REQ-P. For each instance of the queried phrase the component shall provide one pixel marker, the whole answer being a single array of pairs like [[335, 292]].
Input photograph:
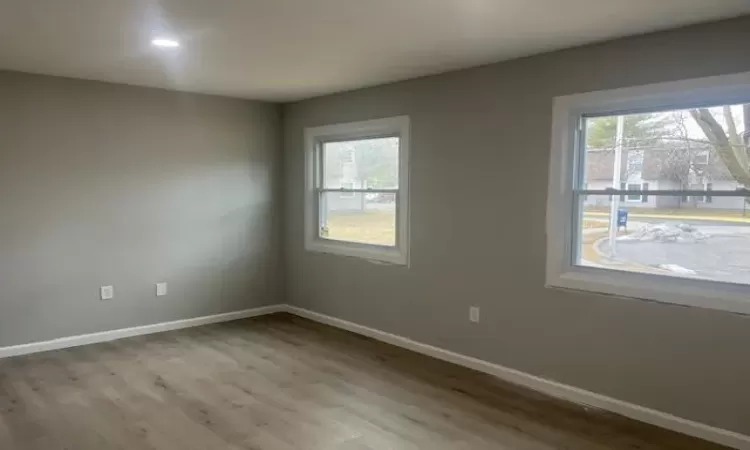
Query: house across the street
[[662, 169]]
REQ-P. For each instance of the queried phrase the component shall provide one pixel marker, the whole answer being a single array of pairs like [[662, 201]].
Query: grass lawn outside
[[589, 223], [729, 215], [587, 246], [589, 253], [368, 227], [379, 227]]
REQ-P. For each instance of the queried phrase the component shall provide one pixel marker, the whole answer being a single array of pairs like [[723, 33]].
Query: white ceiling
[[292, 49]]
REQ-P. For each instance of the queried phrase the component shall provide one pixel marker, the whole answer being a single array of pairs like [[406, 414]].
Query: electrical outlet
[[474, 314], [161, 289], [107, 292]]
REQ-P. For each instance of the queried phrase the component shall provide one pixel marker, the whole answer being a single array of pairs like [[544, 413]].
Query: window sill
[[691, 292], [372, 253]]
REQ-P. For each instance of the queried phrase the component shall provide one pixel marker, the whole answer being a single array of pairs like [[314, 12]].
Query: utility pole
[[615, 203]]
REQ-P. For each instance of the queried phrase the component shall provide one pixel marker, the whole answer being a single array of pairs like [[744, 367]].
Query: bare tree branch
[[735, 158], [734, 138]]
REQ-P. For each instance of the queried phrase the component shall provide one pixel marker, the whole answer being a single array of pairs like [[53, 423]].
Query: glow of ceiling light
[[165, 43]]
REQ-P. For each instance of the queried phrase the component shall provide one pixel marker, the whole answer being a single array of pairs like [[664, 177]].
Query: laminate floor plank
[[280, 382]]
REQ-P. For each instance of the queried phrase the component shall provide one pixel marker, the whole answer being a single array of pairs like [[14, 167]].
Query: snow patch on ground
[[662, 232], [674, 268]]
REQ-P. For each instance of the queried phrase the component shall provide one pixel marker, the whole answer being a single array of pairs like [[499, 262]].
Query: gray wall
[[109, 184], [484, 133]]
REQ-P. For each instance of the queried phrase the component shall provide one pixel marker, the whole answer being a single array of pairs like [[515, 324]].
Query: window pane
[[364, 163], [670, 149], [634, 197], [367, 218], [669, 236]]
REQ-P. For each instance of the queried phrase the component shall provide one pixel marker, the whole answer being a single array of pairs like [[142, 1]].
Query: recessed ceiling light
[[165, 43]]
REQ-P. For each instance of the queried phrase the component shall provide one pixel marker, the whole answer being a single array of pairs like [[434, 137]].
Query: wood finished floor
[[282, 382]]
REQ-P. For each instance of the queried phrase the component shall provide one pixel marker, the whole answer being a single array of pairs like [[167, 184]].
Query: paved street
[[724, 255]]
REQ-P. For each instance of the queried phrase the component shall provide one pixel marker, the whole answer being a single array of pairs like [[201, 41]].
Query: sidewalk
[[705, 217]]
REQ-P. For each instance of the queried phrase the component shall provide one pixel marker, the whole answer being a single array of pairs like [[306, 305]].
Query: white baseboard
[[549, 387], [85, 339]]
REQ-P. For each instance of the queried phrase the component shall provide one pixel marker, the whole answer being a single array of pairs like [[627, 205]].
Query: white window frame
[[566, 172], [314, 139]]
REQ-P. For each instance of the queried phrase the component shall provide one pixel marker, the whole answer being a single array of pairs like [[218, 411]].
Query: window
[[356, 199], [701, 158], [634, 197], [348, 185], [688, 241], [640, 197], [703, 187]]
